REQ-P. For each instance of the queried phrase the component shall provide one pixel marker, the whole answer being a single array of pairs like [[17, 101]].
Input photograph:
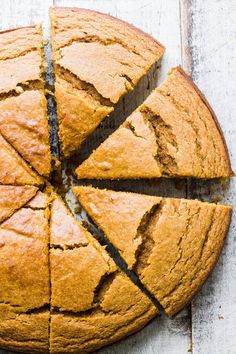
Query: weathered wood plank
[[16, 13], [210, 44], [161, 20]]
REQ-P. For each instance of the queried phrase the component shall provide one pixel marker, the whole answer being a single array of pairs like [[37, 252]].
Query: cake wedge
[[97, 60], [171, 244], [174, 133], [93, 303]]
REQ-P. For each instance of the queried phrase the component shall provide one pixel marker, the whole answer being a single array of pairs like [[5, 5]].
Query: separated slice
[[92, 303], [97, 59], [171, 244], [174, 133]]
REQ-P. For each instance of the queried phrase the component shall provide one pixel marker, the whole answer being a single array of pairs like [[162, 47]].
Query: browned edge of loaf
[[115, 19], [213, 266], [19, 28], [203, 98]]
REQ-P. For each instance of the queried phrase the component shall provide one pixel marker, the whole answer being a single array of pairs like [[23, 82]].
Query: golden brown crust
[[172, 134], [30, 331], [13, 169], [92, 299], [40, 201], [73, 112], [21, 54], [24, 319], [24, 124], [124, 310], [114, 19], [13, 198], [23, 40], [204, 99], [172, 244], [118, 56], [64, 229]]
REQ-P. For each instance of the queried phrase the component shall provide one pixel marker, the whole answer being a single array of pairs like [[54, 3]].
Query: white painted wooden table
[[200, 35]]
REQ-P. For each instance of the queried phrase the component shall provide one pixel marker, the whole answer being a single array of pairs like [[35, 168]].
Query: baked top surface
[[21, 54], [88, 291], [81, 301], [23, 106], [13, 198], [24, 123], [174, 133], [14, 170], [25, 290], [118, 55], [171, 244]]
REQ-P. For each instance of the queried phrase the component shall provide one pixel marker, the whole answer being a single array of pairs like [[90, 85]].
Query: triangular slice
[[174, 133], [13, 198], [13, 169], [97, 59], [171, 244], [24, 290], [24, 123], [93, 303], [23, 114]]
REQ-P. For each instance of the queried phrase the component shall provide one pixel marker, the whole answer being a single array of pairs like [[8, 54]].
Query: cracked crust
[[24, 317], [124, 310], [172, 134], [171, 244], [13, 198], [24, 123], [23, 107], [40, 201], [93, 303], [13, 169], [20, 53], [118, 56]]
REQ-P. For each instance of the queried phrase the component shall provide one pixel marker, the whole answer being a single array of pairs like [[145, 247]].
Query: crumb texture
[[118, 55], [174, 133], [172, 244]]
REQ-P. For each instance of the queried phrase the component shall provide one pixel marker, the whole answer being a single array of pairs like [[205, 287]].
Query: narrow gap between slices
[[122, 110], [120, 262], [25, 161], [49, 80], [20, 206]]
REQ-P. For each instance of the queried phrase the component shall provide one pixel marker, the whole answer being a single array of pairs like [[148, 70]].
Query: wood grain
[[211, 42]]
